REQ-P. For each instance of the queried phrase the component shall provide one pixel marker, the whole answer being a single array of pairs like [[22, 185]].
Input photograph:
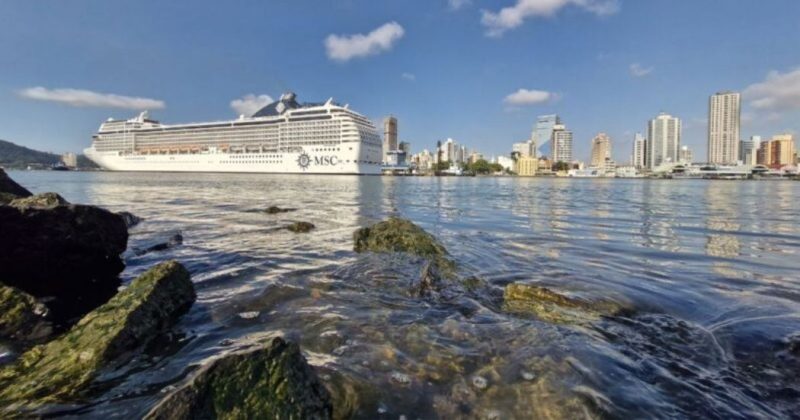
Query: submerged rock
[[301, 227], [10, 188], [64, 369], [401, 235], [46, 200], [173, 241], [70, 253], [274, 382], [556, 307], [276, 210], [129, 218], [21, 316]]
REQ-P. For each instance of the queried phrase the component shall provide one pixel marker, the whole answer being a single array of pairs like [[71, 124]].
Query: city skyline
[[83, 64]]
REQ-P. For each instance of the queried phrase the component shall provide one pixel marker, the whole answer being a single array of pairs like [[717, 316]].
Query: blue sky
[[444, 68]]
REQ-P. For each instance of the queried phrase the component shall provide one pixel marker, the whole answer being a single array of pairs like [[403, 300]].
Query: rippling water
[[712, 268]]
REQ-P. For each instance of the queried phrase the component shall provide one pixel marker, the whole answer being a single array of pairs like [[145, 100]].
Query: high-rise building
[[601, 150], [561, 144], [724, 117], [70, 160], [389, 136], [748, 150], [778, 152], [525, 148], [686, 155], [663, 140], [543, 131], [639, 157], [406, 147]]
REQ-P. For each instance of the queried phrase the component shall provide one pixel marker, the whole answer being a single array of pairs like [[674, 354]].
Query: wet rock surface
[[301, 227], [21, 316], [277, 210], [274, 381], [552, 306], [161, 245], [64, 369], [9, 188], [46, 200], [67, 253], [130, 219]]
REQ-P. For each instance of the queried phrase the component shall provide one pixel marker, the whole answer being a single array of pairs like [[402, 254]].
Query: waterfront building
[[527, 165], [601, 150], [525, 148], [506, 162], [70, 160], [406, 147], [474, 157], [724, 118], [389, 136], [778, 152], [686, 155], [639, 156], [561, 144], [545, 165], [543, 130], [282, 137], [748, 150], [423, 160], [663, 140]]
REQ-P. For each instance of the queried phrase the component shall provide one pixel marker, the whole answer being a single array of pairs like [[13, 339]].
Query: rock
[[6, 198], [130, 219], [173, 241], [556, 307], [401, 235], [70, 253], [63, 369], [300, 227], [273, 381], [21, 316], [46, 200], [8, 186], [276, 210]]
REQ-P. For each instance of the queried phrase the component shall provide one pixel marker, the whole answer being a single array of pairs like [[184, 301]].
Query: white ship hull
[[308, 162]]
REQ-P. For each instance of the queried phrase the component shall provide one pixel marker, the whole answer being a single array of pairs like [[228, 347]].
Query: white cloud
[[409, 76], [458, 4], [529, 97], [87, 98], [250, 104], [778, 92], [497, 23], [637, 70], [346, 47]]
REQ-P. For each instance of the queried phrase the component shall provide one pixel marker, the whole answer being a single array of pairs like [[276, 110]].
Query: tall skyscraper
[[561, 144], [389, 136], [639, 157], [543, 131], [748, 150], [663, 140], [601, 150], [724, 117]]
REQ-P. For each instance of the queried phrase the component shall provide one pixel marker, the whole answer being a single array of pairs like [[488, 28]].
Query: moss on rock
[[272, 382], [21, 316], [401, 235], [277, 210], [40, 201], [63, 369], [551, 306]]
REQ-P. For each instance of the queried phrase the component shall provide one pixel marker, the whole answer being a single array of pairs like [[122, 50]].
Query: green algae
[[273, 382], [401, 235], [301, 227], [554, 307], [21, 316], [64, 369], [44, 200]]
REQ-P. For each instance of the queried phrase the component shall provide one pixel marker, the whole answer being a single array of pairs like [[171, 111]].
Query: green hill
[[13, 156]]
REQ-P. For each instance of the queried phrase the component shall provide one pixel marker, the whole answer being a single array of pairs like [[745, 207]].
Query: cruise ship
[[282, 137]]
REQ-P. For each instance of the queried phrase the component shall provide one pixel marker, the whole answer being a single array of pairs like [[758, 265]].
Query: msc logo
[[304, 161]]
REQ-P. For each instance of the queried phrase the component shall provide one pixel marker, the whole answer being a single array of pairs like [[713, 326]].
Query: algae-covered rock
[[277, 210], [21, 316], [6, 198], [301, 227], [272, 382], [401, 235], [8, 186], [64, 369], [40, 201], [551, 306], [69, 253]]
